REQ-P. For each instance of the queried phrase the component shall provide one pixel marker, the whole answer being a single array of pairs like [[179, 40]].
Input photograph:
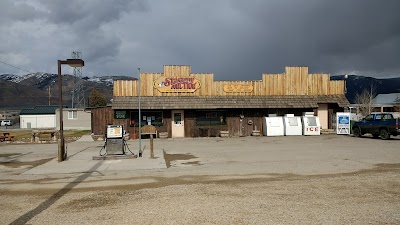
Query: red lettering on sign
[[180, 83], [167, 82], [312, 129]]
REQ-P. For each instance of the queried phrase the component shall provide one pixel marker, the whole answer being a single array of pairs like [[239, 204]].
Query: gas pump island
[[115, 145]]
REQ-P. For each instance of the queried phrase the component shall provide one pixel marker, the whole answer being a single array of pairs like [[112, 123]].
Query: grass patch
[[25, 135]]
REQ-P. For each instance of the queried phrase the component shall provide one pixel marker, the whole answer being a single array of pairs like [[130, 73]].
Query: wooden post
[[151, 147], [60, 152]]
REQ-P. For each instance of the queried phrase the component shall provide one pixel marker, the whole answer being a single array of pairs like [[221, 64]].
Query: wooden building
[[186, 104]]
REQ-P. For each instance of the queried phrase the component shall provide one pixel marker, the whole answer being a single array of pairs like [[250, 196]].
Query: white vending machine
[[343, 122], [311, 124], [273, 126], [292, 125]]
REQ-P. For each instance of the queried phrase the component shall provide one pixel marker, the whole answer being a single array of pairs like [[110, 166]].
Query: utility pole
[[140, 119], [49, 95]]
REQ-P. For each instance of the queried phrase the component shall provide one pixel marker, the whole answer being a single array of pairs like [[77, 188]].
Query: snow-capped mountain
[[43, 77], [37, 88]]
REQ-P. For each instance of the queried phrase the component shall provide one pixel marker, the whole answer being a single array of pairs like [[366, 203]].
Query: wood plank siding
[[295, 81], [240, 105]]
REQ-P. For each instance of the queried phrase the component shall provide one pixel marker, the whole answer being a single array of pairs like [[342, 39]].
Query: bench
[[36, 135], [10, 138], [148, 129]]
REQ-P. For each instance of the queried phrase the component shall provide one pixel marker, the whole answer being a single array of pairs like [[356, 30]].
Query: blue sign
[[344, 120]]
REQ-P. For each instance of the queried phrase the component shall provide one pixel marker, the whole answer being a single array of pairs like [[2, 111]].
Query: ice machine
[[311, 124], [292, 125], [273, 126]]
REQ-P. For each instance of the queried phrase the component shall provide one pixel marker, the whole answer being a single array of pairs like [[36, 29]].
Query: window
[[369, 118], [72, 115], [292, 121], [154, 118], [312, 121], [205, 118], [388, 117], [177, 118], [119, 114]]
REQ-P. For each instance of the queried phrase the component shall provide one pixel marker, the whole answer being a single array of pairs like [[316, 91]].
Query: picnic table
[[6, 136]]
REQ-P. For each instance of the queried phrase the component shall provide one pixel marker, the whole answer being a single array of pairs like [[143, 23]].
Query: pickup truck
[[378, 124]]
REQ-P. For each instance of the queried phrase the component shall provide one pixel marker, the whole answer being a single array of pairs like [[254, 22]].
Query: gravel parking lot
[[327, 179]]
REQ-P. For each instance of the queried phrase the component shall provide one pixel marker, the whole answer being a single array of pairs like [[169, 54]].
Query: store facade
[[186, 104]]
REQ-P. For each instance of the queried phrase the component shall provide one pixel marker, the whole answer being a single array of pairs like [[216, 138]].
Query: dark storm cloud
[[12, 11], [233, 39], [85, 20], [327, 36], [89, 14]]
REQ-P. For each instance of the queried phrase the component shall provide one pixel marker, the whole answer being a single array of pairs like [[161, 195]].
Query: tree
[[397, 104], [96, 99], [365, 100]]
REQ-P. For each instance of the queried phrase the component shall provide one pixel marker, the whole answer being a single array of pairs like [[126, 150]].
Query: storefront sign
[[343, 123], [119, 114], [177, 84], [238, 88]]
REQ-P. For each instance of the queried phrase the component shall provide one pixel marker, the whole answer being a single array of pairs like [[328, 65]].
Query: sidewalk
[[80, 159]]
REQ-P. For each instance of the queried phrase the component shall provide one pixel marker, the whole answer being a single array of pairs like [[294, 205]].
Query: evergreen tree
[[97, 99]]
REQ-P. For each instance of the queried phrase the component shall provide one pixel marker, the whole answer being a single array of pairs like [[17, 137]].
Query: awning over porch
[[227, 102]]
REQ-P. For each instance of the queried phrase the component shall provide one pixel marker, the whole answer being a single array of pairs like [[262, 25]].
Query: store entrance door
[[178, 128]]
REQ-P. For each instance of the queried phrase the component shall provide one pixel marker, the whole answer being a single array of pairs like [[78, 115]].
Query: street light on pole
[[61, 141]]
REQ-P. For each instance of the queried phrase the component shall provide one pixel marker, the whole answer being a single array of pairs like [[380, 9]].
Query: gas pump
[[115, 143]]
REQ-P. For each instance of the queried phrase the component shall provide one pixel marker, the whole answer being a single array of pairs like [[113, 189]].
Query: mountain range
[[21, 91], [356, 84], [33, 89]]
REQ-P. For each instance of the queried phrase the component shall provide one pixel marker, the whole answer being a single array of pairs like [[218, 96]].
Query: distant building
[[381, 103], [42, 117], [38, 117], [387, 100], [74, 119]]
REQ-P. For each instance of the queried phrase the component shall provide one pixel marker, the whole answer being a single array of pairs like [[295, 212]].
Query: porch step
[[328, 131]]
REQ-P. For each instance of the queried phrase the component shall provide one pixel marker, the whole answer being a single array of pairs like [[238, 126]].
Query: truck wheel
[[384, 134], [357, 132]]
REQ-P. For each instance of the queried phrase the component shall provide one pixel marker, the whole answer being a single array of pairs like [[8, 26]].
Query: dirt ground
[[179, 196]]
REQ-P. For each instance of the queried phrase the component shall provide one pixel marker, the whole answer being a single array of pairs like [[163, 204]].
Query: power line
[[16, 67]]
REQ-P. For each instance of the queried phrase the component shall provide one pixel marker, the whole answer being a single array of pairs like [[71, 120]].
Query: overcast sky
[[234, 39]]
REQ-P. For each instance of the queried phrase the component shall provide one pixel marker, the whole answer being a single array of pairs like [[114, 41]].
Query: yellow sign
[[176, 84], [238, 88]]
